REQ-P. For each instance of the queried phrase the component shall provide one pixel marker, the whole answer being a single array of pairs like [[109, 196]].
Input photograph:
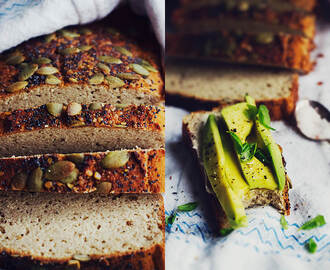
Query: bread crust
[[220, 219], [143, 172], [280, 108], [288, 51]]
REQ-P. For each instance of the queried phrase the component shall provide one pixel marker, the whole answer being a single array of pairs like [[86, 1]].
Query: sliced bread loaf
[[86, 231], [57, 128], [198, 85], [192, 126], [121, 171]]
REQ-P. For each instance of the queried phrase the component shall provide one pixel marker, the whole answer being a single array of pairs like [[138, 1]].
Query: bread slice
[[121, 171], [77, 128], [198, 85], [288, 51], [192, 126], [84, 64], [278, 5], [86, 231]]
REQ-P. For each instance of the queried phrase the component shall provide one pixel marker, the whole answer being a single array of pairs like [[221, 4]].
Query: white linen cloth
[[263, 245], [21, 20]]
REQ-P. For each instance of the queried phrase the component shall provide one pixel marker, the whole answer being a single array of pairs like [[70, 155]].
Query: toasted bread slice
[[86, 231], [201, 86], [191, 132]]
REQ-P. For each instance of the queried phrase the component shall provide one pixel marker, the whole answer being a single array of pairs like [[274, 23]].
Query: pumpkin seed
[[148, 66], [128, 76], [98, 78], [85, 48], [86, 31], [109, 59], [265, 38], [104, 187], [15, 59], [50, 37], [54, 109], [77, 158], [115, 82], [23, 65], [52, 79], [60, 170], [27, 72], [71, 178], [95, 106], [68, 51], [139, 69], [16, 86], [47, 70], [81, 257], [68, 34], [19, 181], [74, 109], [104, 68], [115, 159], [35, 180], [42, 60], [123, 50]]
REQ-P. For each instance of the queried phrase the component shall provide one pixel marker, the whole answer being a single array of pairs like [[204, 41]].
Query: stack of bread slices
[[81, 111], [269, 41]]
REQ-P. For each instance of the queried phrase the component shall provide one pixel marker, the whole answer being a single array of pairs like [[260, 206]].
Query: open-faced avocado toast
[[241, 161]]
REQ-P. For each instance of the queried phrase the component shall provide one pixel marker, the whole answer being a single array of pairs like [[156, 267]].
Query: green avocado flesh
[[239, 120], [223, 173]]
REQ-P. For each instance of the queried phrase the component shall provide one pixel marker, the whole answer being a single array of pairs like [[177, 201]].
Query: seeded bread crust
[[262, 197], [144, 172], [75, 54], [288, 51]]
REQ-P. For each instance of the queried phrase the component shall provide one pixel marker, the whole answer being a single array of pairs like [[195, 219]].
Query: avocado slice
[[239, 120], [267, 142], [222, 179]]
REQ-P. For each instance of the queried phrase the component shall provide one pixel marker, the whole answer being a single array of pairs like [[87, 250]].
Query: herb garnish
[[263, 116], [318, 221], [263, 156], [187, 207], [284, 223], [169, 220], [225, 231], [311, 246], [245, 150]]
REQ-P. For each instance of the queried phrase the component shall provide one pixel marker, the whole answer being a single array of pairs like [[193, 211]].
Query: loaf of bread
[[120, 171], [287, 51], [57, 128], [87, 231], [84, 64], [192, 126], [197, 85]]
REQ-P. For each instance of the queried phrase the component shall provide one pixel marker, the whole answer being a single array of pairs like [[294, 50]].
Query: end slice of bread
[[191, 132], [87, 231], [198, 86]]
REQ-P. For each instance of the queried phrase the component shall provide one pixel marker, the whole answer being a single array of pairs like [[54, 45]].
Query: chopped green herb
[[225, 231], [187, 207], [263, 115], [237, 142], [311, 246], [246, 150], [318, 221], [284, 223], [169, 220], [263, 156]]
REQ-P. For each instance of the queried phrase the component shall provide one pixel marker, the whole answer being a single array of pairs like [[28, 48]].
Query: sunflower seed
[[54, 109], [42, 60], [52, 79], [74, 109], [16, 86], [104, 68], [68, 51], [47, 70], [109, 59], [69, 34], [27, 72], [85, 48], [19, 181], [95, 106], [59, 170], [15, 59], [50, 37], [115, 159], [139, 69], [115, 82], [104, 187], [35, 180], [128, 76], [98, 78], [123, 50], [81, 257]]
